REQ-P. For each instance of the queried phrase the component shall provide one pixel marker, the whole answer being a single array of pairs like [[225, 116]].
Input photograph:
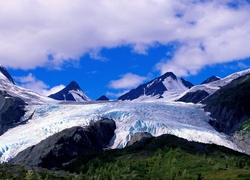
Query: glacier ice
[[188, 121]]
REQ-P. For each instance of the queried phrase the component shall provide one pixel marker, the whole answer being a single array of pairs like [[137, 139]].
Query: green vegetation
[[168, 164], [244, 130], [8, 172], [235, 92], [166, 157], [245, 126]]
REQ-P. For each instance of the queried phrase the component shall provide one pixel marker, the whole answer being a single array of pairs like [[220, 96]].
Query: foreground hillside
[[230, 105], [230, 109], [164, 157]]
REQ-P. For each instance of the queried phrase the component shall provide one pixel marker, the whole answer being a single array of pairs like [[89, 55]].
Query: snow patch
[[79, 95], [3, 77]]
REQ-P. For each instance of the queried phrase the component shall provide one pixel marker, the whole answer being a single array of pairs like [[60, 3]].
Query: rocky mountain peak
[[158, 87], [103, 98], [72, 92], [73, 86], [4, 74], [211, 79]]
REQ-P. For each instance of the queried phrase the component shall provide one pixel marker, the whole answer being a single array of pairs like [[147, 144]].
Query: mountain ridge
[[29, 96], [203, 91], [211, 79]]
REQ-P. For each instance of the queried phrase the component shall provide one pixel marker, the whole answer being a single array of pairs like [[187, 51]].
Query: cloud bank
[[48, 33], [31, 82], [127, 81]]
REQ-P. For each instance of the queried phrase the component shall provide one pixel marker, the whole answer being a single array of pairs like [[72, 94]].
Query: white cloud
[[127, 81], [242, 65], [219, 35], [32, 30], [31, 82], [53, 90]]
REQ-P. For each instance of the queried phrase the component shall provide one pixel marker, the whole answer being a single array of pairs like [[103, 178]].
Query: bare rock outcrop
[[11, 111], [66, 145]]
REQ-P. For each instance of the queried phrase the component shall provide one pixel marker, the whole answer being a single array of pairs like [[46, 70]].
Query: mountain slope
[[163, 157], [230, 108], [230, 105], [11, 111], [4, 74], [210, 88], [194, 97], [167, 86], [7, 85], [72, 92]]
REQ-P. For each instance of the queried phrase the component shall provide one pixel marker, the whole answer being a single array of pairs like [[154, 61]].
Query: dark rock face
[[64, 146], [6, 74], [187, 83], [211, 79], [103, 98], [194, 97], [152, 88], [11, 110], [65, 94], [140, 136], [230, 105]]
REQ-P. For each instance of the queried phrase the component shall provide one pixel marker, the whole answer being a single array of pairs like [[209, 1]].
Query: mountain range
[[216, 111], [167, 86]]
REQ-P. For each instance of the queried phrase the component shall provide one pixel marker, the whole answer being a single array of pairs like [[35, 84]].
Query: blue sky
[[110, 47]]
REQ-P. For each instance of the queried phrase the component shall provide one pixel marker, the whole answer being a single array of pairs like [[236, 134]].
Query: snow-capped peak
[[167, 86], [72, 92]]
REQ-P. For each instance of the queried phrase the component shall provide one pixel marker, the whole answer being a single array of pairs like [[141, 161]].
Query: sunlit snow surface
[[184, 120]]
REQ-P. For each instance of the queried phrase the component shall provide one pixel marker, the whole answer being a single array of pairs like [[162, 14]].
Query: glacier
[[184, 120]]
